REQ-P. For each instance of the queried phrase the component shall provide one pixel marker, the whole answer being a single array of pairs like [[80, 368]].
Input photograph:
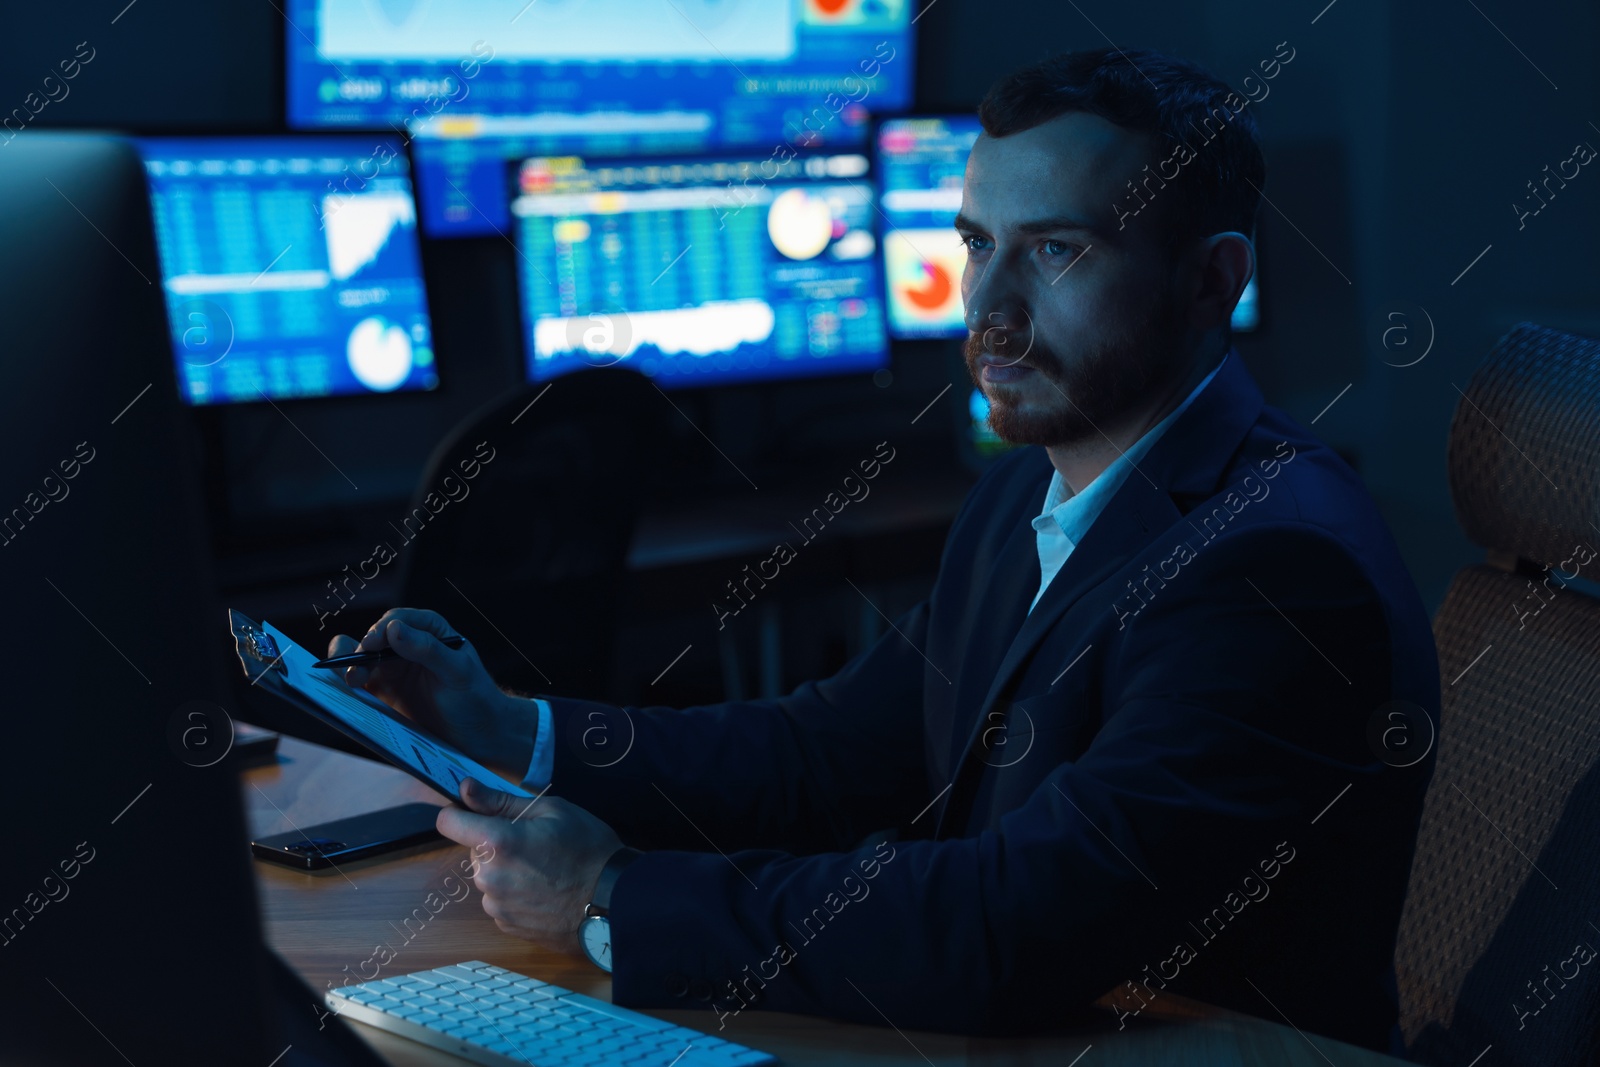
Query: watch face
[[595, 932]]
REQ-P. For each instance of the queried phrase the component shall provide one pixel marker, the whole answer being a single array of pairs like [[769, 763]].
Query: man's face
[[1072, 322]]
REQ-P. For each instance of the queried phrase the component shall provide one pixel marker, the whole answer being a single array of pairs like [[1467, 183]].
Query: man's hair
[[1174, 101]]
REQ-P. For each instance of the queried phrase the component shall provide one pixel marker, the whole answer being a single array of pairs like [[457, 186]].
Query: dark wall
[[158, 66], [1472, 120], [1396, 140]]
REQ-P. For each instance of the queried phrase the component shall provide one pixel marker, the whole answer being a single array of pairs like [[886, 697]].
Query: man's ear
[[1226, 262]]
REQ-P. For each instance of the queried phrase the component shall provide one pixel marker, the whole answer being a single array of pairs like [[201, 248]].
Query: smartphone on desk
[[331, 843]]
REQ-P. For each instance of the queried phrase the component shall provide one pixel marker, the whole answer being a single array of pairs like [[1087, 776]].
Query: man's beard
[[1094, 390]]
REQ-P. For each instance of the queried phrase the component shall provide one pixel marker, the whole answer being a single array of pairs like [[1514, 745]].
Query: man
[[1128, 742]]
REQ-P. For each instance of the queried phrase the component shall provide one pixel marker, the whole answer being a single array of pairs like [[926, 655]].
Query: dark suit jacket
[[1167, 777]]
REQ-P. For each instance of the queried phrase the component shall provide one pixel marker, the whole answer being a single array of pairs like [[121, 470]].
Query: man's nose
[[993, 308]]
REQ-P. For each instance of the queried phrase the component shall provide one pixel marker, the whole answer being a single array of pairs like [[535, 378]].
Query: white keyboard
[[499, 1018]]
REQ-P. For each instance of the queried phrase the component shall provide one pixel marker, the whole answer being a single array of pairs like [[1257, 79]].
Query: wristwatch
[[595, 930]]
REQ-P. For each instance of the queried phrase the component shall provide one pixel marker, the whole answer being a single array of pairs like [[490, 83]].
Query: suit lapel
[[1188, 461], [1131, 518], [1000, 610], [1126, 525]]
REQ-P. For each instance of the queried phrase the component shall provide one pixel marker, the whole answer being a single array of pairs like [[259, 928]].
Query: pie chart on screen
[[924, 270], [799, 224], [932, 291], [379, 353]]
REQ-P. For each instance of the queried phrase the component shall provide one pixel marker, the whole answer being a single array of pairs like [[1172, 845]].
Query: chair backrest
[[1501, 923], [520, 527]]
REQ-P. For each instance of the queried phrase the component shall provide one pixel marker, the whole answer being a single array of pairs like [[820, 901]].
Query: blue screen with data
[[290, 266], [483, 82], [700, 271], [921, 165]]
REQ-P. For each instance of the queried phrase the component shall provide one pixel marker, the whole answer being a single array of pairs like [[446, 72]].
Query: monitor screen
[[290, 266], [700, 271], [480, 83], [985, 442], [921, 165]]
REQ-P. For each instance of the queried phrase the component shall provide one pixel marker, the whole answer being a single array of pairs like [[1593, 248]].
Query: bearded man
[[1125, 745]]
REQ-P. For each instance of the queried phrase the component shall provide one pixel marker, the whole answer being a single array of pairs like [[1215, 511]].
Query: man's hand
[[444, 690], [547, 859]]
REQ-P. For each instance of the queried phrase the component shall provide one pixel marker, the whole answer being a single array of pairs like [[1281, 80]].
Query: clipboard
[[273, 662]]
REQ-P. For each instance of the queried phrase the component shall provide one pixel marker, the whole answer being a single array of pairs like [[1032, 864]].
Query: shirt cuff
[[542, 766]]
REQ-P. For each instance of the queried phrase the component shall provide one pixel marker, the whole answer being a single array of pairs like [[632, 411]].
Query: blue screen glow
[[483, 82], [290, 266], [700, 271], [921, 166]]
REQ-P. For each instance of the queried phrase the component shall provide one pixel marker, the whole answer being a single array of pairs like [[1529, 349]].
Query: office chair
[[1504, 897], [527, 557]]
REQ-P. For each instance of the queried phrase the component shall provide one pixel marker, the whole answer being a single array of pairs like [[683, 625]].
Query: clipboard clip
[[258, 652]]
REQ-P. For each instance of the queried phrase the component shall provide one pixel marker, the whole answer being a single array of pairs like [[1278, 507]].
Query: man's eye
[[1057, 248], [972, 242]]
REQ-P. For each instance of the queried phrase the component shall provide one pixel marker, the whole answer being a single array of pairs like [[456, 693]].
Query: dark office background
[[1397, 140]]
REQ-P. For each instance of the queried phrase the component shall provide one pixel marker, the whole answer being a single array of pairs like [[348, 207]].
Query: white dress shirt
[[543, 764], [1067, 516]]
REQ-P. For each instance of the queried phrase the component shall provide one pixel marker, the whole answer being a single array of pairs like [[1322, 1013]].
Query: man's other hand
[[546, 859]]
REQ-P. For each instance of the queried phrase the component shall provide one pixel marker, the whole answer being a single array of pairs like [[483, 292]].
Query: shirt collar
[[1073, 513]]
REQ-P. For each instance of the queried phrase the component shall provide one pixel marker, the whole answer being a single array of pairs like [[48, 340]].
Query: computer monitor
[[290, 265], [481, 83], [921, 165], [126, 886], [700, 271]]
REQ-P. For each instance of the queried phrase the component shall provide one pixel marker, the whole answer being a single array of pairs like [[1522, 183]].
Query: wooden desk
[[323, 923]]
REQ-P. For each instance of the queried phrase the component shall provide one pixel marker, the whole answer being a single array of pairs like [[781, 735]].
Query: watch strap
[[609, 875]]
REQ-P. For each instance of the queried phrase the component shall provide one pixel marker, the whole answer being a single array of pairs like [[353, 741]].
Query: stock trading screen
[[290, 266], [479, 83], [700, 271], [922, 163]]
